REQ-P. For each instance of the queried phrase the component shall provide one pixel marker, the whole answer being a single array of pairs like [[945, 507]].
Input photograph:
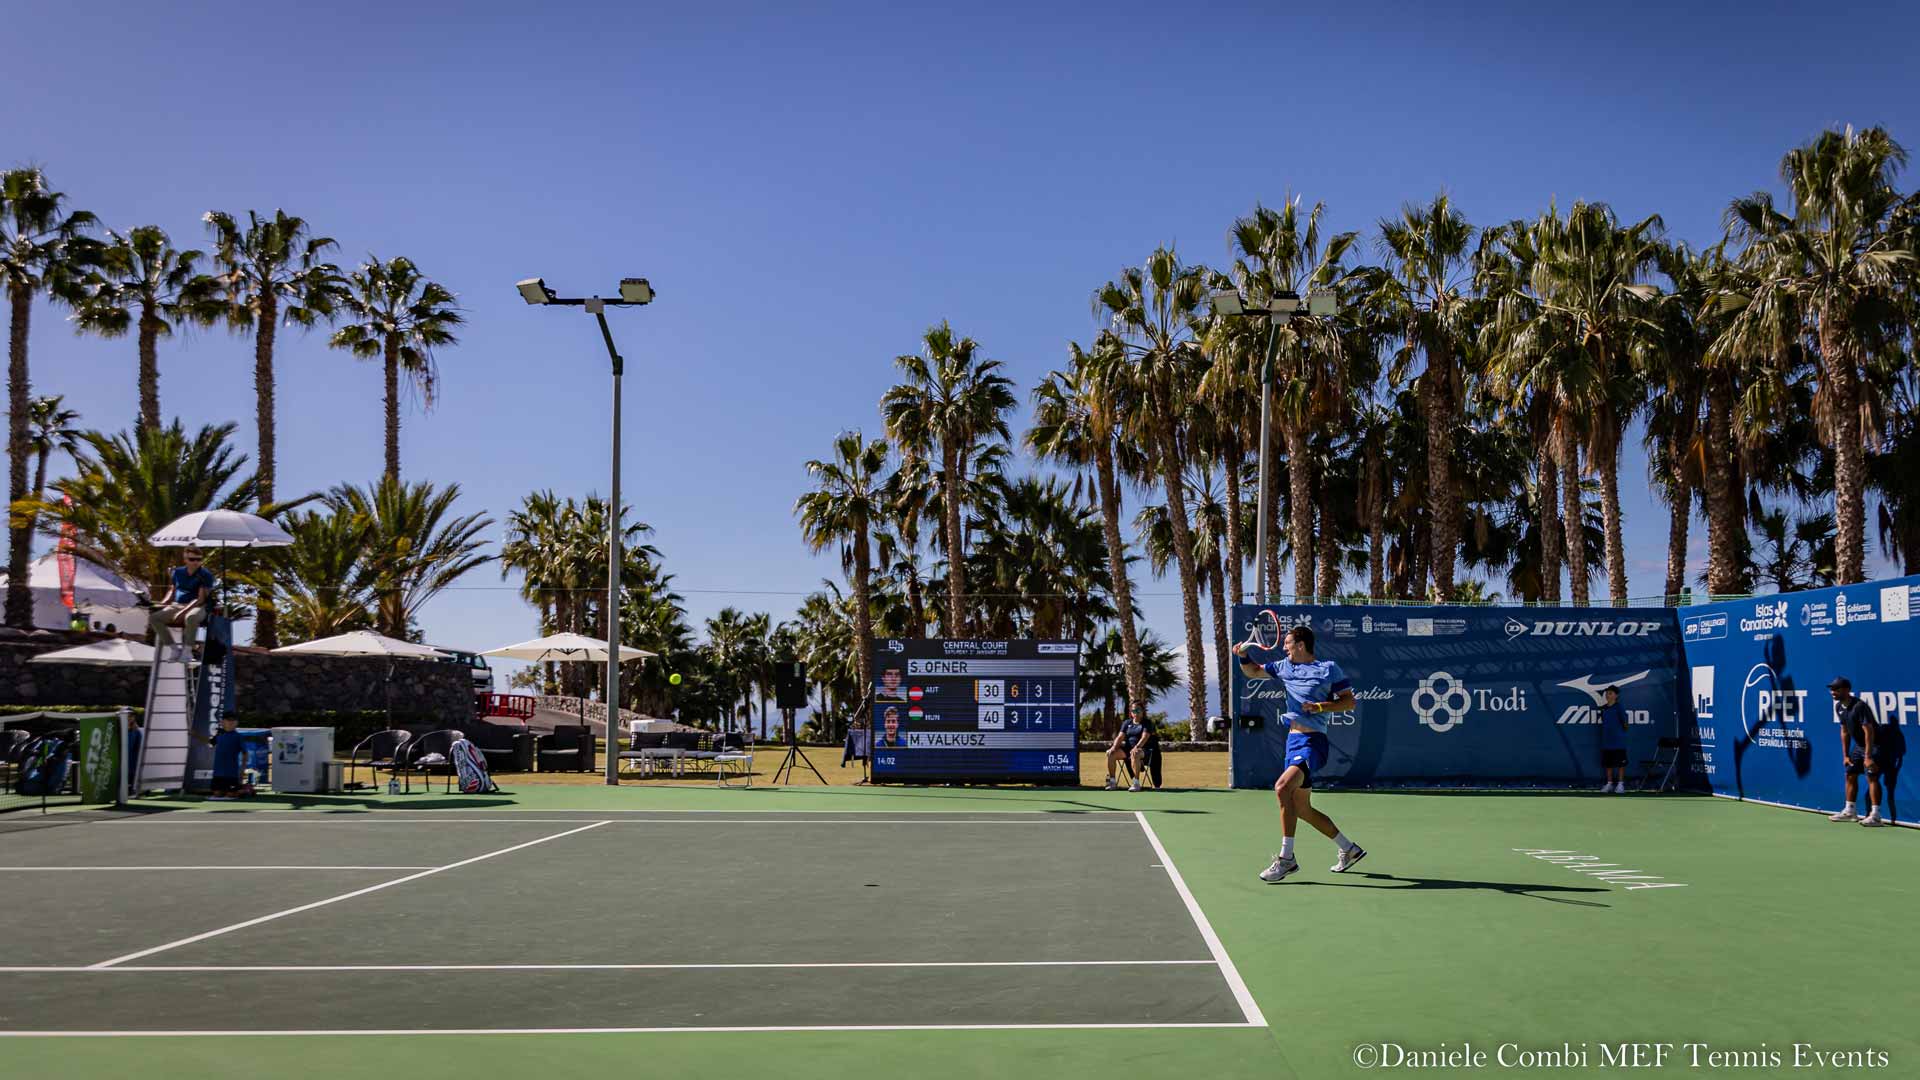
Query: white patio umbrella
[[118, 652], [221, 529], [367, 643], [564, 648]]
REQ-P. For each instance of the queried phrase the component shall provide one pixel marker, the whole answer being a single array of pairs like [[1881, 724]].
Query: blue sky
[[809, 189]]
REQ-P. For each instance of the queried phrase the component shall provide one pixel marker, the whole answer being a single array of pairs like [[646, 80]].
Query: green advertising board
[[99, 754]]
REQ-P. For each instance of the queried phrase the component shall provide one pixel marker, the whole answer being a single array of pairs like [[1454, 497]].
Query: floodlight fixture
[[534, 291], [1322, 302], [636, 290], [1227, 302]]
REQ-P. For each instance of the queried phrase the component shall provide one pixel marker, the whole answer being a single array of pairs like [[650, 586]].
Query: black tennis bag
[[45, 762]]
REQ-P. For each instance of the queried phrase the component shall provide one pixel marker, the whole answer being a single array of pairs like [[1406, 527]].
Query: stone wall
[[268, 684]]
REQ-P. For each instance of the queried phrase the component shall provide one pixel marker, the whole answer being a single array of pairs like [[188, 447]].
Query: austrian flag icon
[[915, 693]]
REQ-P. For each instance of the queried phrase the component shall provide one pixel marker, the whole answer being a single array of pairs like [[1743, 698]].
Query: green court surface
[[944, 932]]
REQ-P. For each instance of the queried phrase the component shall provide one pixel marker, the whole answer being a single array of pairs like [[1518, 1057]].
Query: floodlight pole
[[634, 292], [612, 613], [1266, 445]]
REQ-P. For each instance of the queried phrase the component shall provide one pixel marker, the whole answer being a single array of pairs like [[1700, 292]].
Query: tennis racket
[[1263, 633]]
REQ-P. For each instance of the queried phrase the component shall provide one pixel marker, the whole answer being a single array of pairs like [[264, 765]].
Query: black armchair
[[380, 750], [569, 749]]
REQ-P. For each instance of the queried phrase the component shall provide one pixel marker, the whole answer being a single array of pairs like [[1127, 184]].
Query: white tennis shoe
[[1281, 869], [1348, 857]]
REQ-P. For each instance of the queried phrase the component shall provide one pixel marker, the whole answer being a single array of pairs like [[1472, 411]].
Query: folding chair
[[1665, 760]]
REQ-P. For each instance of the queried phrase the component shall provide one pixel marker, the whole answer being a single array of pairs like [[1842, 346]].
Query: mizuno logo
[[1595, 690]]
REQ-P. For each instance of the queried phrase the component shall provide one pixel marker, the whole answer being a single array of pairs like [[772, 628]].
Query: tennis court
[[950, 932]]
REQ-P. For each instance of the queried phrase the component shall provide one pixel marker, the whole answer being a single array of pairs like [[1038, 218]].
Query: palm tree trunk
[[1573, 514], [1327, 558], [1376, 524], [1422, 559], [955, 625], [1679, 515], [1300, 509], [916, 604], [1610, 512], [1220, 654], [266, 632], [1849, 461], [1726, 512], [1436, 402], [393, 407], [19, 609], [862, 608], [149, 367], [1230, 459], [1183, 552], [1547, 505], [1117, 566]]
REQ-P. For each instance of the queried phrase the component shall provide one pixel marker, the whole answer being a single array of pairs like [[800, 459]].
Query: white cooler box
[[300, 759]]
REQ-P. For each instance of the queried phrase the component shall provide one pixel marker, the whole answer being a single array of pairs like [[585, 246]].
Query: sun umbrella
[[221, 529], [563, 647], [117, 652], [570, 647], [367, 643], [364, 643]]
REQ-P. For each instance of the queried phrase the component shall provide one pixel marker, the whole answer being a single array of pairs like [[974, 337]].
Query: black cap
[[1841, 683]]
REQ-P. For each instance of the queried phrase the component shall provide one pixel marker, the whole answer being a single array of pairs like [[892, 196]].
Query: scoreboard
[[976, 710]]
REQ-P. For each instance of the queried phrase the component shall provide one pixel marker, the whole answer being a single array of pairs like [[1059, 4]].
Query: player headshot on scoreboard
[[891, 688], [890, 727]]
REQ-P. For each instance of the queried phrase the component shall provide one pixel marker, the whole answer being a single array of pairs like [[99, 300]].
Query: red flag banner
[[65, 559]]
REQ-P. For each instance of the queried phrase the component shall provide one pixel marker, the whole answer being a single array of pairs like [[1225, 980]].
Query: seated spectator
[[1135, 739]]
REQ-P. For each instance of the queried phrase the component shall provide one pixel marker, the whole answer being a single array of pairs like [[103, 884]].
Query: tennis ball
[[674, 678]]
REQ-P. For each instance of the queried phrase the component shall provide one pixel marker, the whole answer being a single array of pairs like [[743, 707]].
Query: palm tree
[[51, 428], [1835, 270], [1279, 251], [532, 546], [952, 399], [323, 584], [1153, 310], [140, 280], [1424, 297], [127, 486], [1076, 417], [415, 545], [270, 269], [401, 317], [849, 496], [38, 253]]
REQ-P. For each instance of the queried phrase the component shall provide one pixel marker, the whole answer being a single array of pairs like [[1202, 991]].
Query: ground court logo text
[[1616, 1055]]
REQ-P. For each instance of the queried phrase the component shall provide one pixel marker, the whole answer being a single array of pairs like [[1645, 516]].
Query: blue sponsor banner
[[1757, 689], [1469, 695]]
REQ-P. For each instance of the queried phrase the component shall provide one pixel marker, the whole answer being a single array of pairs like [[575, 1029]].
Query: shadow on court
[[1533, 891], [979, 795]]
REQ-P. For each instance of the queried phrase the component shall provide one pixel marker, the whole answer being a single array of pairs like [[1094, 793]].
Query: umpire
[[1859, 740]]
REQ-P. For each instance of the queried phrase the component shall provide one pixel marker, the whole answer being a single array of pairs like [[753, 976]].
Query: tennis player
[[1313, 689]]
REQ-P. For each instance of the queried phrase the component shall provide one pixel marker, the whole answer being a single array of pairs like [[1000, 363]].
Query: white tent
[[105, 596]]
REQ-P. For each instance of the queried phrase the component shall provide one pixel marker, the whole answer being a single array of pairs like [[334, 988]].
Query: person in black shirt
[[1131, 744], [1858, 741]]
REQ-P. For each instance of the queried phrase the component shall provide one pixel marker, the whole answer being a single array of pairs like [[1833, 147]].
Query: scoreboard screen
[[976, 710]]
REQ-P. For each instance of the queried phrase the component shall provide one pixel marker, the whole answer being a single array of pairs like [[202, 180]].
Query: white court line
[[1248, 1007], [427, 819], [609, 1030], [305, 968], [325, 812], [56, 869], [337, 899]]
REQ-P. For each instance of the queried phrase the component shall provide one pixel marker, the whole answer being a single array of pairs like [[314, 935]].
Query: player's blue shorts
[[1307, 749]]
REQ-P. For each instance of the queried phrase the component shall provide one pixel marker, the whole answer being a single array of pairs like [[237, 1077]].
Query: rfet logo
[[1764, 699]]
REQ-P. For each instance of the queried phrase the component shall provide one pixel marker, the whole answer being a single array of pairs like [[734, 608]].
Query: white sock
[[1286, 847], [1344, 843], [1874, 813]]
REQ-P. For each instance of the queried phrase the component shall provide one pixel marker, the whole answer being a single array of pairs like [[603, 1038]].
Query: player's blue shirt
[[1613, 727], [1315, 680], [228, 746]]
